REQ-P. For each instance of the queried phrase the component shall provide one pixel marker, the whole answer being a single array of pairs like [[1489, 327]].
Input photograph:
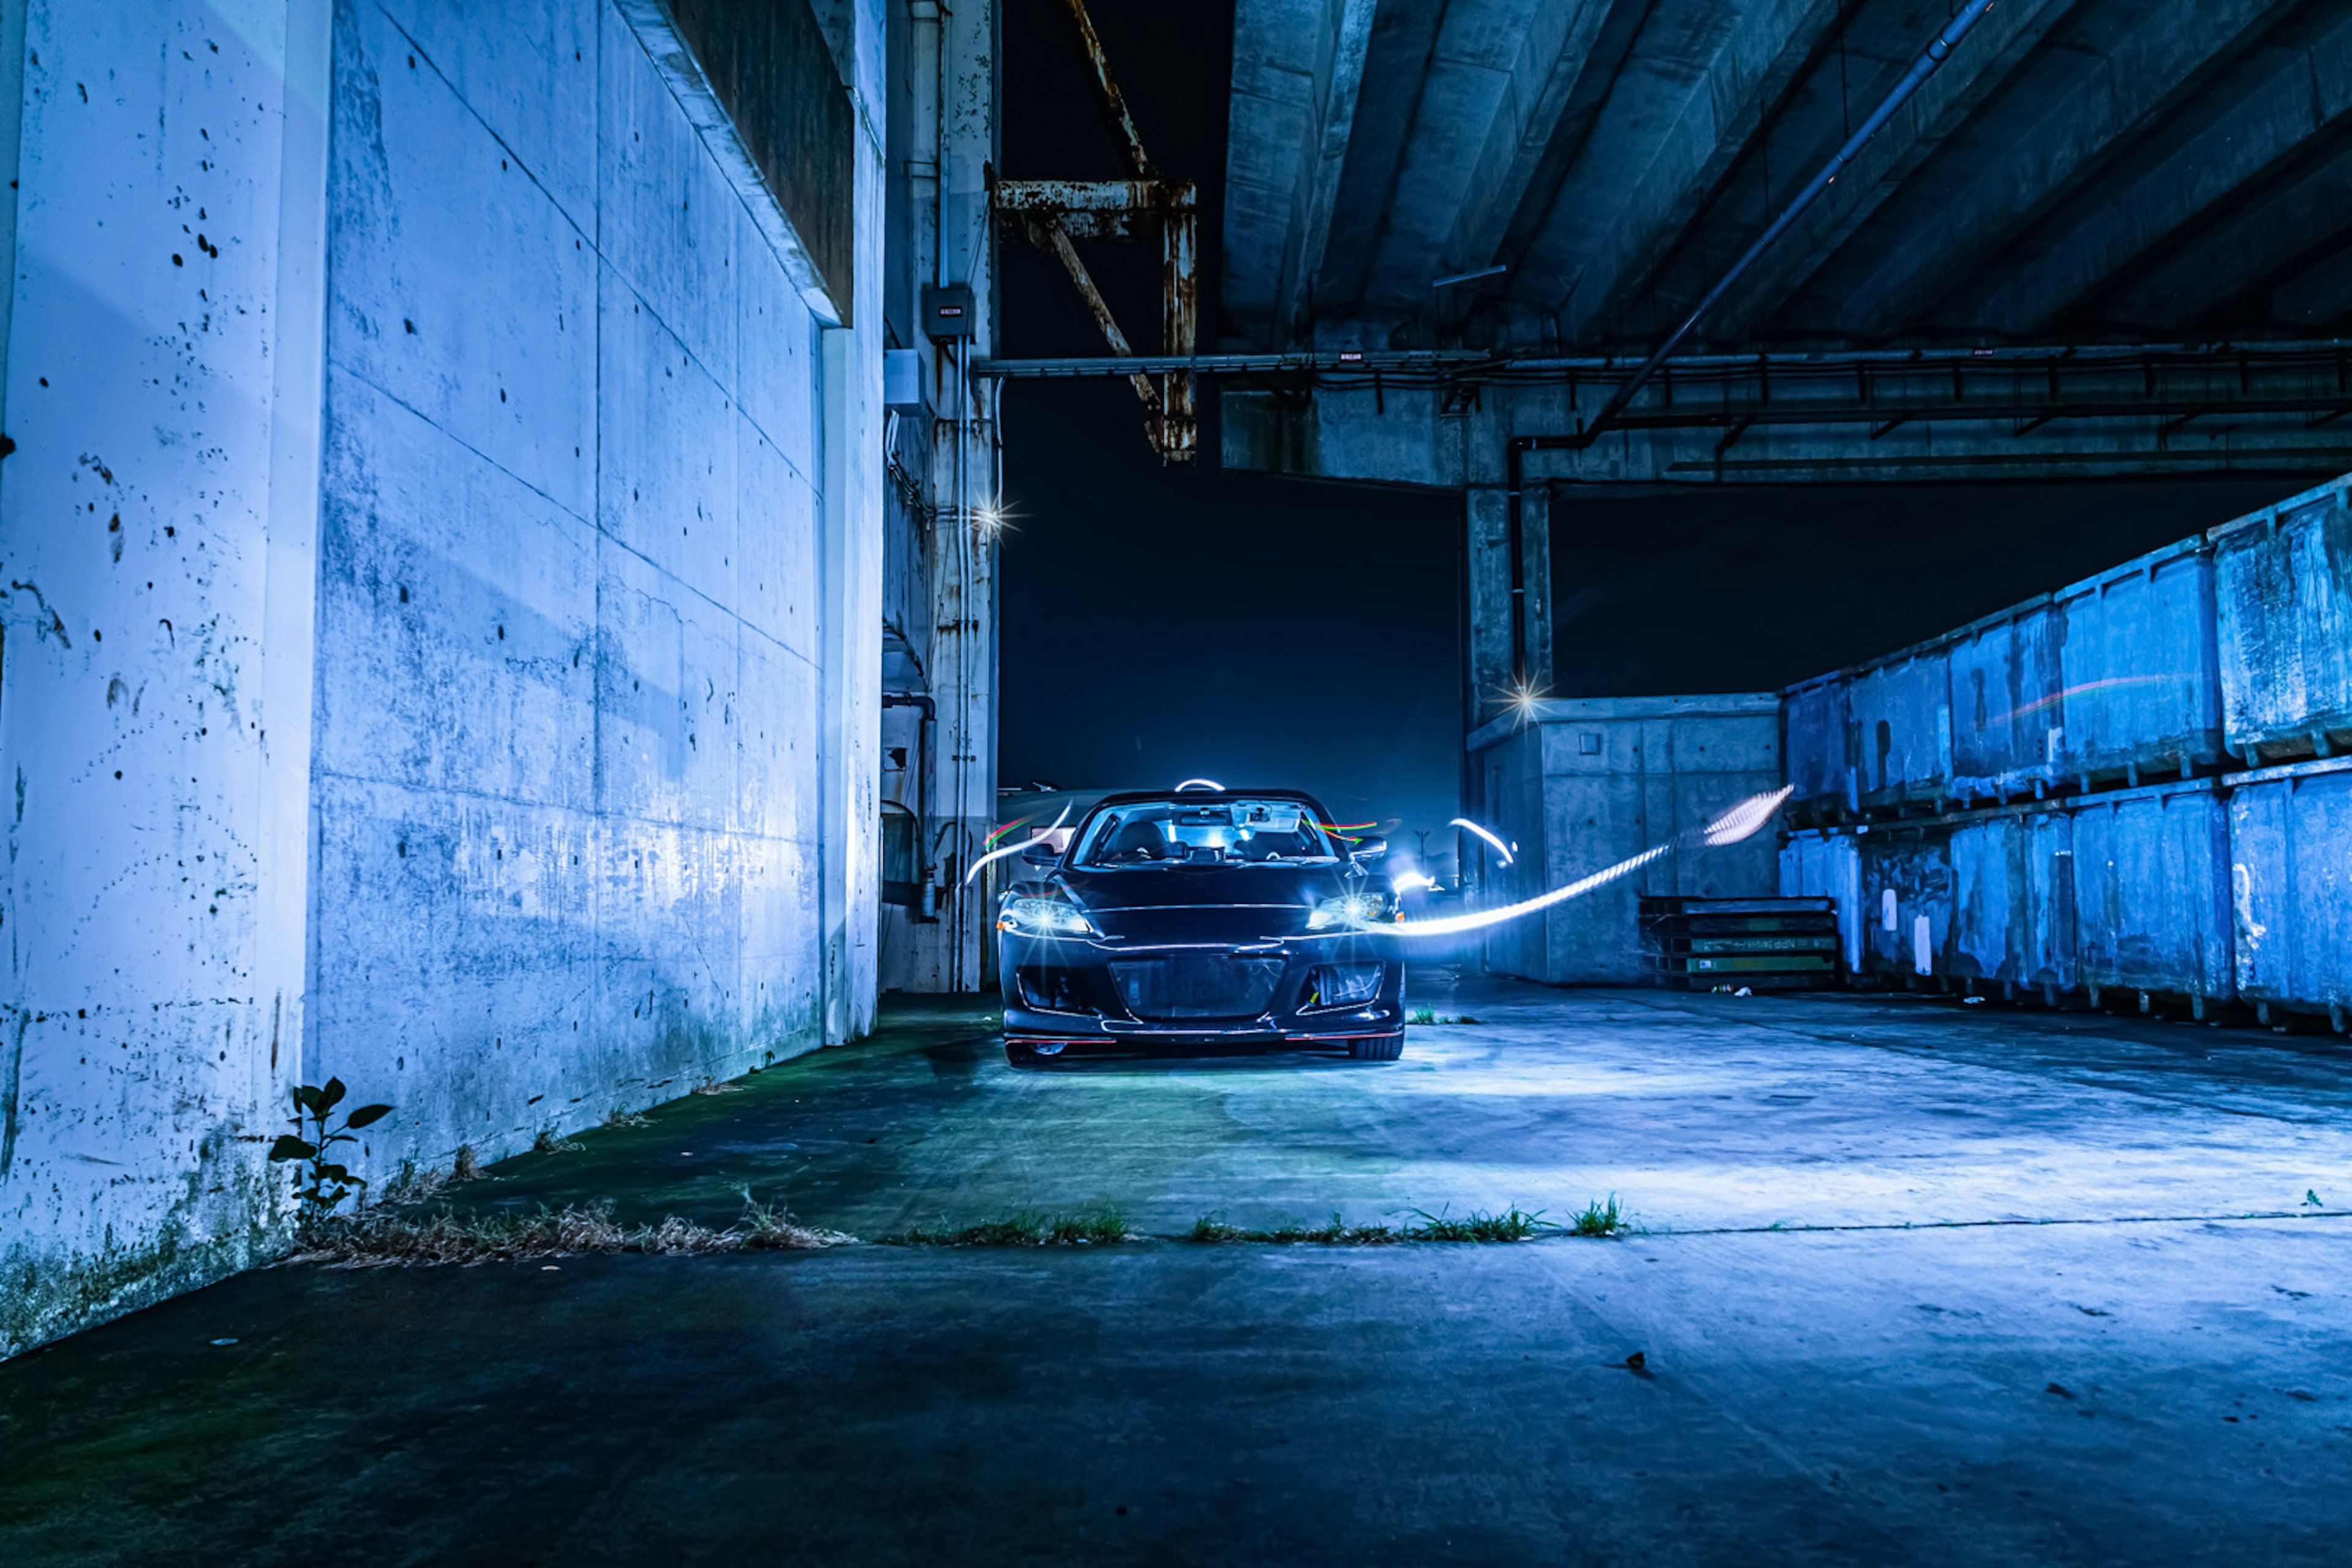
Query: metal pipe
[[1926, 65]]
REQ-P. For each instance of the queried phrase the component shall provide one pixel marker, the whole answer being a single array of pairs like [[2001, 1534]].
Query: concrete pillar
[[851, 902], [951, 954], [1495, 669], [159, 526]]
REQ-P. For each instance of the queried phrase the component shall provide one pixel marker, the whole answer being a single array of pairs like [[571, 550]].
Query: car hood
[[1206, 903]]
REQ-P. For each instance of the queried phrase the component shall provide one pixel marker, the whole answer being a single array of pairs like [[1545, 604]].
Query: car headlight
[[1352, 910], [1044, 917]]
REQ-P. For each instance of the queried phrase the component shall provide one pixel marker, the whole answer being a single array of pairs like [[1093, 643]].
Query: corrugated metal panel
[[1903, 727], [1907, 898], [2151, 881], [1827, 866], [2291, 884], [2004, 697], [2140, 679], [2283, 591], [1817, 734], [2013, 896]]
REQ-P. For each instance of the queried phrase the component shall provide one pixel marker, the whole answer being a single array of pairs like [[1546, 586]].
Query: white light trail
[[1406, 881], [1040, 837], [1742, 821], [1498, 844], [1202, 783]]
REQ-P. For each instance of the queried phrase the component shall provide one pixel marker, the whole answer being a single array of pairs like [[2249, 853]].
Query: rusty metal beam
[[1180, 321], [1114, 104], [1062, 196], [1048, 235]]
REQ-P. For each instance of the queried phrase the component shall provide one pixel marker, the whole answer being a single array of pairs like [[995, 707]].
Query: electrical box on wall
[[948, 311], [902, 381]]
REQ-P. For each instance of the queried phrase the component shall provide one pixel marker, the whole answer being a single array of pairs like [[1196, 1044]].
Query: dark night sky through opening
[[1159, 622]]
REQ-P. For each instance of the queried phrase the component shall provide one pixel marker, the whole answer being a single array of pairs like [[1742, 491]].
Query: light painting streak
[[1202, 783], [989, 842], [1039, 838], [1742, 821], [2112, 683], [1502, 847]]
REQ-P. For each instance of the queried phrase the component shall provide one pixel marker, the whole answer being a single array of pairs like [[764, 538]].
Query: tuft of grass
[[715, 1087], [551, 1141], [1213, 1230], [377, 1239], [466, 1168], [627, 1118], [1601, 1219], [1027, 1229], [1512, 1224], [1422, 1016]]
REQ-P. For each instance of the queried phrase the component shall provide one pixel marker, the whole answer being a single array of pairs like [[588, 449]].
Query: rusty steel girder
[[1051, 214]]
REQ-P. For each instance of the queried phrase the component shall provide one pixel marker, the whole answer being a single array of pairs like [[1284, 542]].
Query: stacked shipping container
[[2047, 801]]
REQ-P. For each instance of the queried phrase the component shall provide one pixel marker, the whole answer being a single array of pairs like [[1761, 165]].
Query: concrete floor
[[1932, 1375]]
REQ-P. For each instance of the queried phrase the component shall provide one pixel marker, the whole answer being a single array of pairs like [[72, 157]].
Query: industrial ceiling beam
[[1050, 213]]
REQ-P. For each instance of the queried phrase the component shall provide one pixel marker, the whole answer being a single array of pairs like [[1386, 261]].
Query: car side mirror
[[1369, 850], [1042, 853]]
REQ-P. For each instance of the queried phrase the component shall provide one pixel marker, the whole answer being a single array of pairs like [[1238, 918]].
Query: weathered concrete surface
[[2096, 1391], [158, 540]]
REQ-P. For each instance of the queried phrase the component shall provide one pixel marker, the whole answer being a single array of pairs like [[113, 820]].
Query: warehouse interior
[[1815, 534]]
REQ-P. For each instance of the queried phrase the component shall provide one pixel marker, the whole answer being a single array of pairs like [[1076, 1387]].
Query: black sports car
[[1199, 916]]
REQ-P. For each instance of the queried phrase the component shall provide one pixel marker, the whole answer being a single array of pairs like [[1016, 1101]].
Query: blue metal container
[[2291, 886], [2004, 694], [2282, 592], [1817, 728], [1823, 864], [2151, 891], [2013, 902], [1903, 727], [2140, 682], [1907, 902]]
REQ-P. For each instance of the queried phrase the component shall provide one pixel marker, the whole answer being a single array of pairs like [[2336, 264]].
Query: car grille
[[1197, 985]]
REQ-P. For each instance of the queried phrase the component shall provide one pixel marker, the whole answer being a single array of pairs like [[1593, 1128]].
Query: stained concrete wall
[[444, 578], [568, 626], [158, 516]]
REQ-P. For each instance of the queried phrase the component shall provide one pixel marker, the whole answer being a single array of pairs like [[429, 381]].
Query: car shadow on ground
[[1160, 1059]]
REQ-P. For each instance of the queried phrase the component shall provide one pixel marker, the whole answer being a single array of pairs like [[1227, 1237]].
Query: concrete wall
[[158, 516], [571, 623], [442, 593]]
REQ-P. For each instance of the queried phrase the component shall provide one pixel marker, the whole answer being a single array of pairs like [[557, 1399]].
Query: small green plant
[[322, 1182], [466, 1167], [1601, 1219], [1423, 1015], [627, 1118], [1513, 1225], [551, 1141]]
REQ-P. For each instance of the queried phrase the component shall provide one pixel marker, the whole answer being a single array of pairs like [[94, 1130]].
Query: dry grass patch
[[379, 1239]]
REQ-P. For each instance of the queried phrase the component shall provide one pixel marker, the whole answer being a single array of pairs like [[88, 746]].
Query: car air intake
[[1342, 985], [1052, 989], [1197, 985]]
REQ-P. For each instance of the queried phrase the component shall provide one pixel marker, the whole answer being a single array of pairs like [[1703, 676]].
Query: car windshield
[[1225, 832]]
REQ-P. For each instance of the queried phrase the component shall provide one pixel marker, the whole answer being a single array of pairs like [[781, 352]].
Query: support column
[[851, 900], [1487, 511]]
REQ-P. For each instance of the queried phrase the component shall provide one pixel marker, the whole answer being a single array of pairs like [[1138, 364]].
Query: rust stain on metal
[[1114, 104]]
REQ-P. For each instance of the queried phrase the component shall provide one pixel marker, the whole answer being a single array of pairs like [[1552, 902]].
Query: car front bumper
[[1303, 990]]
